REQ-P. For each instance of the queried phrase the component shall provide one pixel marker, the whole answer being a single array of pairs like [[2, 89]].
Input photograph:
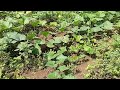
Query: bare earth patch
[[82, 69], [40, 74]]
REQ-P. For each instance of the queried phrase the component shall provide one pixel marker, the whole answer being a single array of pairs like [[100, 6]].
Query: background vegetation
[[32, 40]]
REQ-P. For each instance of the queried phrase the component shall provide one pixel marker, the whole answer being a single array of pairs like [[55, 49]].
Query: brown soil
[[49, 37], [60, 34], [40, 74], [80, 70], [45, 38]]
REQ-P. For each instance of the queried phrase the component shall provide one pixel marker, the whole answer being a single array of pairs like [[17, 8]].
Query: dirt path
[[42, 74], [82, 69]]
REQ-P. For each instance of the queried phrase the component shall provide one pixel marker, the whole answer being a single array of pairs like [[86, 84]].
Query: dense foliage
[[31, 40]]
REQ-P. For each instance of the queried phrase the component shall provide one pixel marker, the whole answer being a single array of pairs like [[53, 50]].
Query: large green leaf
[[101, 14], [57, 39], [22, 46], [35, 51], [39, 48], [63, 49], [89, 49], [96, 29], [78, 37], [26, 20], [42, 22], [51, 55], [84, 28], [50, 44], [73, 58], [60, 61], [75, 29], [69, 77], [66, 39], [118, 24], [61, 57], [53, 23], [45, 33], [31, 35], [78, 18], [63, 68], [75, 48], [15, 36], [107, 25], [51, 64], [54, 75], [34, 23]]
